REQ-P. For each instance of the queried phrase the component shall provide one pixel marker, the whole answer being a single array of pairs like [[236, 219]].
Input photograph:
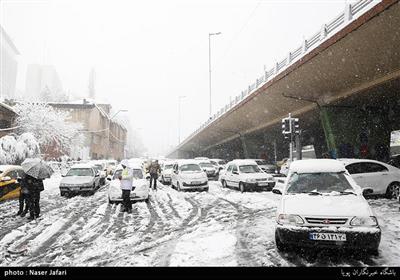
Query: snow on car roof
[[243, 162], [188, 161], [82, 165], [316, 166], [347, 161], [131, 166]]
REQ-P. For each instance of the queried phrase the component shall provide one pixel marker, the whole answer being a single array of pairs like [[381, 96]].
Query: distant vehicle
[[394, 161], [166, 172], [265, 166], [210, 169], [244, 175], [220, 163], [81, 178], [140, 189], [188, 175], [101, 168], [110, 166], [9, 186], [382, 178], [322, 206], [285, 167]]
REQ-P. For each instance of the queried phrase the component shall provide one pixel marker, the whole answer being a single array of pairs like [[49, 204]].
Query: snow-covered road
[[220, 228]]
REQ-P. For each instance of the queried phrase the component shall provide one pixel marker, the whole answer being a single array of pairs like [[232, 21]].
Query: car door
[[228, 175], [235, 178], [370, 175], [10, 188], [378, 176]]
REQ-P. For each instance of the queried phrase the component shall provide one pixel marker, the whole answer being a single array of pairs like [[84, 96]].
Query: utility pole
[[209, 63]]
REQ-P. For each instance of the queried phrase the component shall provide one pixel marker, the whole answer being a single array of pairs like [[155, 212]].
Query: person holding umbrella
[[35, 171]]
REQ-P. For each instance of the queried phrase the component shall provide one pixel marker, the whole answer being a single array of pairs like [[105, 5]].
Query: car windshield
[[261, 162], [249, 169], [80, 172], [190, 168], [168, 166], [206, 164], [327, 182]]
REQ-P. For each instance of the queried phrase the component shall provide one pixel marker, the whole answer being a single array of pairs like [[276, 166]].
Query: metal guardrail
[[327, 29]]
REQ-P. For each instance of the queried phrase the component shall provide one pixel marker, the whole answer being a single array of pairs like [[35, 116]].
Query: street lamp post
[[209, 63], [109, 131], [179, 117]]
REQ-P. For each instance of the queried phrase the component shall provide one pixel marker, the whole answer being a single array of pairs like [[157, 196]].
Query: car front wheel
[[279, 245]]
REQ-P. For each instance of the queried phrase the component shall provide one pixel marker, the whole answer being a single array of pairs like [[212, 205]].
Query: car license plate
[[196, 183], [262, 183], [327, 236]]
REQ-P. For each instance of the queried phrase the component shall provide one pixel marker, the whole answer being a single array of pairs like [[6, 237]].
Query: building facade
[[8, 64], [104, 138], [7, 119]]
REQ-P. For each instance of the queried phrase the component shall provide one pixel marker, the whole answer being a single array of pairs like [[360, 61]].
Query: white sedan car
[[382, 178], [140, 189], [322, 206]]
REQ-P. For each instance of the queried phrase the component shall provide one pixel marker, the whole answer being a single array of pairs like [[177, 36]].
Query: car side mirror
[[276, 191], [367, 191], [6, 178]]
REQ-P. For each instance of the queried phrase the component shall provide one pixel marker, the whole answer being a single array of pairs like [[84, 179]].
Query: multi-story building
[[7, 119], [8, 64], [104, 138]]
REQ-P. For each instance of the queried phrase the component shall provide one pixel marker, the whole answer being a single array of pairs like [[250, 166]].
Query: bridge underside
[[346, 93]]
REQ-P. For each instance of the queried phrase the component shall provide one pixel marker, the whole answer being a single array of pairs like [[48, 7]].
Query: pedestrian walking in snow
[[126, 180], [23, 197], [35, 186], [154, 170]]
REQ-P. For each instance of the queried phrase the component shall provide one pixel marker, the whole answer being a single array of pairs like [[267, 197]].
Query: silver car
[[81, 178]]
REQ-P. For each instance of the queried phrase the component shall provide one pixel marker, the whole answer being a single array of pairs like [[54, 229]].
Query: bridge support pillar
[[329, 136], [244, 146]]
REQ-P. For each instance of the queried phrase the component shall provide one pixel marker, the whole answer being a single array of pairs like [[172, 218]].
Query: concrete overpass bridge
[[343, 83]]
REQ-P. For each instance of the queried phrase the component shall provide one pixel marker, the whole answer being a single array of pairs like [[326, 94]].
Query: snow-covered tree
[[49, 126], [15, 149]]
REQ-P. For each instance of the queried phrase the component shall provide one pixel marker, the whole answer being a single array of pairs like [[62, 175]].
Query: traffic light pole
[[292, 124], [291, 138]]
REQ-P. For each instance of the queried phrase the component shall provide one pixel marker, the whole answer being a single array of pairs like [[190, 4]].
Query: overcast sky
[[148, 53]]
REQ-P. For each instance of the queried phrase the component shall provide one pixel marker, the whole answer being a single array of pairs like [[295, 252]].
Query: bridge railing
[[326, 31]]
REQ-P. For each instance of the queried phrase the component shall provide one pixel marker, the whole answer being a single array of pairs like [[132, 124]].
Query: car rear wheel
[[241, 187], [393, 191]]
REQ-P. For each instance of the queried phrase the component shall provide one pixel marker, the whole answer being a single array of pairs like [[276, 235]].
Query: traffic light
[[285, 126], [296, 126]]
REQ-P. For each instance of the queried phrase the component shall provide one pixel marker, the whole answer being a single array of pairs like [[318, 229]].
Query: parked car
[[140, 189], [166, 172], [188, 175], [265, 166], [322, 206], [101, 168], [81, 178], [210, 169], [382, 178], [245, 174], [9, 186]]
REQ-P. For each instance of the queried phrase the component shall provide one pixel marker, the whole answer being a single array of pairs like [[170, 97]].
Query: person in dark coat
[[154, 170], [35, 186], [23, 197]]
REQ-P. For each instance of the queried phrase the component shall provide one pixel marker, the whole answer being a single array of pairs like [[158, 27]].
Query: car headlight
[[289, 219], [370, 221], [251, 180]]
